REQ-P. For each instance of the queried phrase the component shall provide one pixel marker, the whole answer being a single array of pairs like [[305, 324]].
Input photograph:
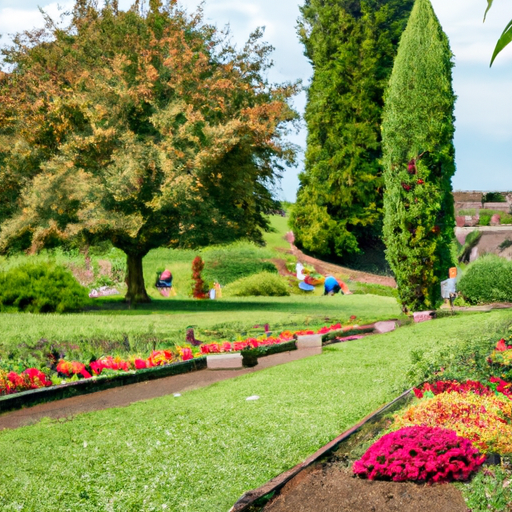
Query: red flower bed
[[420, 454], [31, 378], [452, 386]]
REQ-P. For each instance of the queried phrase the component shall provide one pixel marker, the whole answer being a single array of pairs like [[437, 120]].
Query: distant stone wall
[[501, 207], [467, 196], [472, 200]]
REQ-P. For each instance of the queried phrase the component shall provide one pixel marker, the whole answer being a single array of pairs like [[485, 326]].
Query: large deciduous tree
[[145, 129], [417, 130], [351, 45]]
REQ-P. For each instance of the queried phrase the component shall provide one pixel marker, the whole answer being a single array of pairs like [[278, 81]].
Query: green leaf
[[489, 5], [503, 41]]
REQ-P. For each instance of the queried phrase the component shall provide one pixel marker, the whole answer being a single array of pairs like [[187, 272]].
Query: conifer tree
[[417, 130], [351, 45]]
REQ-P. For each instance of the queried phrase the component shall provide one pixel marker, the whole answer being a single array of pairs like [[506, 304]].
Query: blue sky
[[483, 137]]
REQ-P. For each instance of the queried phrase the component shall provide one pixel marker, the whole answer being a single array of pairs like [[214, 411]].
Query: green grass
[[276, 240], [166, 320], [201, 451]]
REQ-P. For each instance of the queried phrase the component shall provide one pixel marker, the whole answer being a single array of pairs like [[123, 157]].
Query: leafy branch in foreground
[[505, 38]]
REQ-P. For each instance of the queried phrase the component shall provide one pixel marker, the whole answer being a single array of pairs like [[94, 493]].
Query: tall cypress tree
[[351, 45], [417, 130]]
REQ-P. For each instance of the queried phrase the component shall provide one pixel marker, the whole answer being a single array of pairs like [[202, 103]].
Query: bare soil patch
[[332, 488]]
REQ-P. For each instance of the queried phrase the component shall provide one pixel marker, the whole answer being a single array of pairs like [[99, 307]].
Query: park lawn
[[166, 320], [202, 450]]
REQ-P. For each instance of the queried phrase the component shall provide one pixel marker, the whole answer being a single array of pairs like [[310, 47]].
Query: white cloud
[[483, 109]]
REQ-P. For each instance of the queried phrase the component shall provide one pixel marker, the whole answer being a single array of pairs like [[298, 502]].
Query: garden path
[[126, 395], [325, 268]]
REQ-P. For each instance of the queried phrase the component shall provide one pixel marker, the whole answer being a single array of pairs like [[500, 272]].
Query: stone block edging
[[309, 341], [226, 361]]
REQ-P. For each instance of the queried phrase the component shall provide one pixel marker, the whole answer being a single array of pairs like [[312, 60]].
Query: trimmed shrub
[[488, 279], [262, 284], [417, 138], [419, 454], [41, 288]]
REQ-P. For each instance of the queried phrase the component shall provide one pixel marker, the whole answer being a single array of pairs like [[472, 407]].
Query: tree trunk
[[135, 280]]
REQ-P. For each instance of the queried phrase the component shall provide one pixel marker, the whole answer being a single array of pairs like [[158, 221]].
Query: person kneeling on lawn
[[333, 285]]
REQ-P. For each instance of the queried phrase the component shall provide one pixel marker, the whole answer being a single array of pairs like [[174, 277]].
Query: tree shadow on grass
[[174, 306]]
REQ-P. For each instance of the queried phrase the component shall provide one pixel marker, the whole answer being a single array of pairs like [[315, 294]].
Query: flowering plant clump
[[502, 354], [501, 386], [452, 386], [485, 420], [12, 382], [420, 454], [31, 378]]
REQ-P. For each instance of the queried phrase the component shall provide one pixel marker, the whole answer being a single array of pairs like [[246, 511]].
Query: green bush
[[230, 263], [264, 284], [468, 211], [41, 288], [493, 197], [488, 279], [485, 220]]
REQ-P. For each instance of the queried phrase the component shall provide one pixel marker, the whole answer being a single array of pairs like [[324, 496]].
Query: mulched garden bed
[[325, 482], [331, 487]]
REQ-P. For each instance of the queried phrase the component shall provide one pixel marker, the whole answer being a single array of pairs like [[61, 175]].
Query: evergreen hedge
[[351, 45], [417, 130]]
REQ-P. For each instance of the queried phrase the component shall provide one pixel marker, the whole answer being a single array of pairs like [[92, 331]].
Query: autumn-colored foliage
[[198, 287], [145, 129]]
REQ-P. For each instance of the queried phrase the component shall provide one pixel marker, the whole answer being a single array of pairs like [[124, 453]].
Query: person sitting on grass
[[333, 285], [164, 282]]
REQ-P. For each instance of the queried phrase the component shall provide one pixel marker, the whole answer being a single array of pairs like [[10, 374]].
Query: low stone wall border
[[85, 386]]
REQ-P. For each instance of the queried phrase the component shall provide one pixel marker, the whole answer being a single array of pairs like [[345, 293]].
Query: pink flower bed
[[420, 454]]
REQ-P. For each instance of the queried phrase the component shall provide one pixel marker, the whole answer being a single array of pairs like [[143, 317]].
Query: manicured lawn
[[201, 451], [167, 319]]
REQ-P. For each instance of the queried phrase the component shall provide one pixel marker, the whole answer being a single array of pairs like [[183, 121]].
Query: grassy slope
[[201, 451]]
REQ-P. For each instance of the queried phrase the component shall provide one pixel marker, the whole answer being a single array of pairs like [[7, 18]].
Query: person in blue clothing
[[333, 285]]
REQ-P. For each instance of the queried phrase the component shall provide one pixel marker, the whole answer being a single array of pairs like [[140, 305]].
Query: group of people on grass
[[332, 285]]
